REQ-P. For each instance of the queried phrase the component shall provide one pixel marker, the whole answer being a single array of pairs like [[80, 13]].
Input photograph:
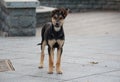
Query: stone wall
[[18, 18], [3, 18], [22, 22], [83, 5]]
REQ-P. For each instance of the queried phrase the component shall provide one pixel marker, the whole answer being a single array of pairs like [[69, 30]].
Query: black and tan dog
[[53, 36]]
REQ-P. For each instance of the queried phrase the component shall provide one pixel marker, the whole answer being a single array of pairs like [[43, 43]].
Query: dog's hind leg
[[42, 54]]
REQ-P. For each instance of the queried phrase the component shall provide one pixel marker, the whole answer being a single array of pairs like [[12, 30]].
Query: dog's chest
[[53, 34], [56, 43], [56, 36]]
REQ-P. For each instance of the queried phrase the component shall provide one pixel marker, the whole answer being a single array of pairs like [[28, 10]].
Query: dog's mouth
[[57, 25]]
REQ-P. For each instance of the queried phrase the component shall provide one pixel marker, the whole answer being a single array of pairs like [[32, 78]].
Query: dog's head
[[58, 16]]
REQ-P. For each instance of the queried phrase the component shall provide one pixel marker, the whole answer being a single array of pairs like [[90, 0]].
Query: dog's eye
[[55, 17], [60, 18]]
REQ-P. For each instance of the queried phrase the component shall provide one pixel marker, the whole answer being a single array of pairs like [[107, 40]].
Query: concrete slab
[[43, 9], [86, 42], [21, 3], [96, 78]]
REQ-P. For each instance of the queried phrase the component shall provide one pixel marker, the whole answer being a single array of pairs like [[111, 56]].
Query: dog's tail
[[39, 43]]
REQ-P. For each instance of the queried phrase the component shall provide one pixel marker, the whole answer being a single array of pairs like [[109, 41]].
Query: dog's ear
[[66, 11], [53, 12]]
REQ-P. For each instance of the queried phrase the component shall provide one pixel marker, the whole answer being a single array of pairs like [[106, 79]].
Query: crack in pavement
[[91, 75]]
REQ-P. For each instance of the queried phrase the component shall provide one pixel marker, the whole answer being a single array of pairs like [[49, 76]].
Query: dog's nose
[[57, 24]]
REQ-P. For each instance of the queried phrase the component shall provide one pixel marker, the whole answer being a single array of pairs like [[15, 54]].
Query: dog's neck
[[57, 34], [57, 28]]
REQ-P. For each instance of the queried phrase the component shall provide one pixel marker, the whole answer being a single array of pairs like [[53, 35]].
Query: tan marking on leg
[[51, 56], [51, 62], [58, 64], [60, 43], [42, 54], [51, 43]]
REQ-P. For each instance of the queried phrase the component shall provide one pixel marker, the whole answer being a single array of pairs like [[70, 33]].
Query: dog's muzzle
[[57, 25]]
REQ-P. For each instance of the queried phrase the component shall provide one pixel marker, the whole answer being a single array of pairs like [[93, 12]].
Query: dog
[[53, 36]]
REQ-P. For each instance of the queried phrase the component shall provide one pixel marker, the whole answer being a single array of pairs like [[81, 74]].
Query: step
[[43, 15]]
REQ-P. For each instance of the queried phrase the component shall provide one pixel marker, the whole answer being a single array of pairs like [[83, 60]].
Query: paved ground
[[91, 52]]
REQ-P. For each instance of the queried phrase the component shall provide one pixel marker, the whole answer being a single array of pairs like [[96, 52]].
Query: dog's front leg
[[58, 64], [59, 54], [51, 60], [51, 55]]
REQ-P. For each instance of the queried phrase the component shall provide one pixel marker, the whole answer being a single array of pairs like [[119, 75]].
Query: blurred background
[[21, 17], [83, 5]]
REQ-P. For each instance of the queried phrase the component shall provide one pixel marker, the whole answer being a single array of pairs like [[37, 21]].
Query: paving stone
[[28, 78], [92, 39], [96, 78]]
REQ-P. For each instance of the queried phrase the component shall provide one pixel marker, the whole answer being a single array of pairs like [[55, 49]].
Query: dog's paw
[[50, 72], [40, 67], [59, 72]]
